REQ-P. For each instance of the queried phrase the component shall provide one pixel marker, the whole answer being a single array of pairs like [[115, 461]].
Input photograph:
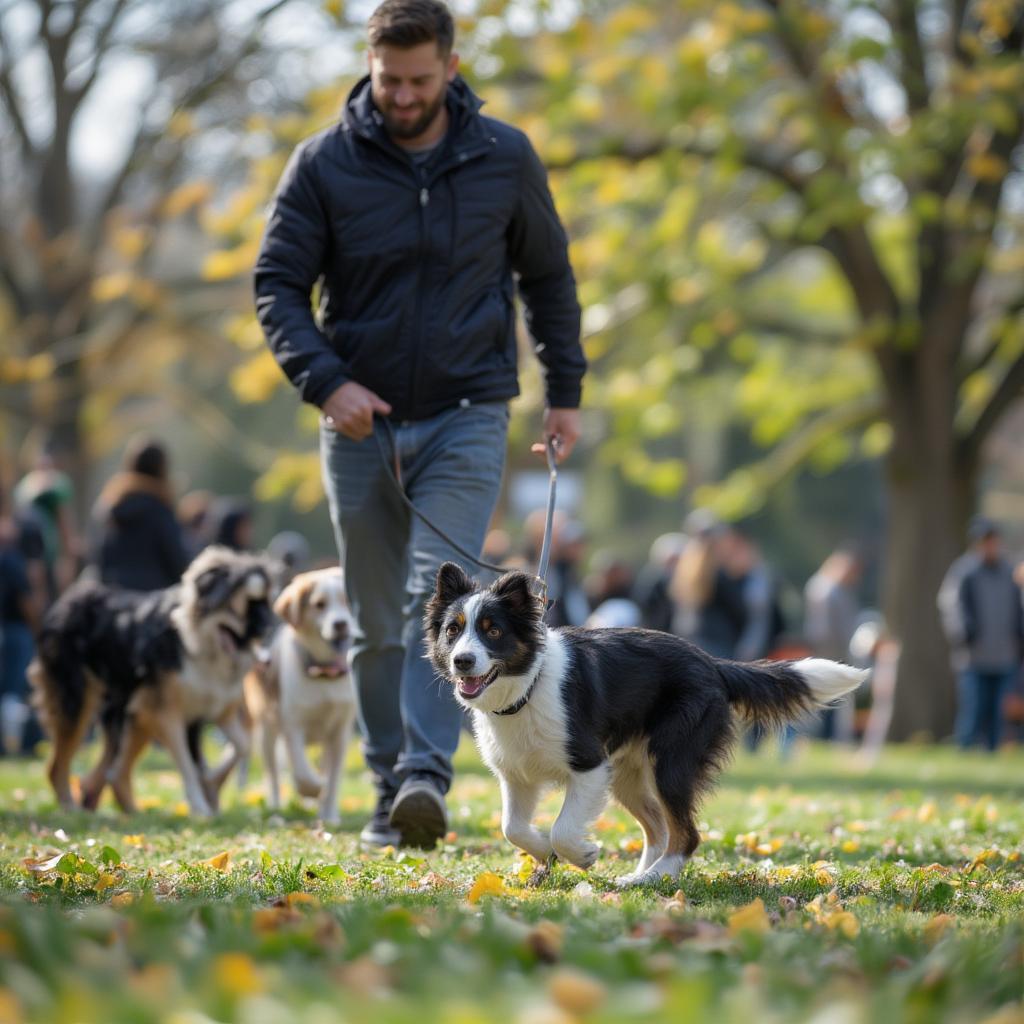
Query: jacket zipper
[[417, 323], [461, 157]]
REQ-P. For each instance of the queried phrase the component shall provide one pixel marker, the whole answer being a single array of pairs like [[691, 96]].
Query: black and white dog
[[642, 714]]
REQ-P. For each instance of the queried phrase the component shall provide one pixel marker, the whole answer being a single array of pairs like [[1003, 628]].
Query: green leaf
[[109, 856]]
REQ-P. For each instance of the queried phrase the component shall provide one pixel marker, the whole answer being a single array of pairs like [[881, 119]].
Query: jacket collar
[[465, 125]]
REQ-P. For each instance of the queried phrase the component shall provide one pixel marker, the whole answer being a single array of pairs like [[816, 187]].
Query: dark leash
[[393, 468], [394, 473]]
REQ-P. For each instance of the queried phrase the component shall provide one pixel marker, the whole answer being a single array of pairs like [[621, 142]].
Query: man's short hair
[[409, 23]]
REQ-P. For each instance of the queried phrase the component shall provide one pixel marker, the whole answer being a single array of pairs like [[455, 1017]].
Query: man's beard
[[412, 129]]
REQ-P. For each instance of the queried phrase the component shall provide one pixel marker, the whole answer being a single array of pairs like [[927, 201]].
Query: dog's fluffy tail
[[773, 693]]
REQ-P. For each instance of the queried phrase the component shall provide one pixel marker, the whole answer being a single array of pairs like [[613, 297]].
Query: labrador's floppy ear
[[291, 602], [451, 584]]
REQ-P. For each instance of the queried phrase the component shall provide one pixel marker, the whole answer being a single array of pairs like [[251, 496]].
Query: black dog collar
[[522, 702]]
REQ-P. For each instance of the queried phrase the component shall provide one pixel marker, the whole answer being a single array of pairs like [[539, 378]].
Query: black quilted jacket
[[418, 264]]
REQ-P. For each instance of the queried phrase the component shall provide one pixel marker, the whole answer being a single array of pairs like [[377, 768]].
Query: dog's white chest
[[206, 696], [524, 746]]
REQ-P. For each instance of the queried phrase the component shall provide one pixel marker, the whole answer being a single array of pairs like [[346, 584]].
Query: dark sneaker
[[419, 812], [378, 831]]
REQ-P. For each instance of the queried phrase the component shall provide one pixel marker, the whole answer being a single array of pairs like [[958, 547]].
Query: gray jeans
[[452, 467]]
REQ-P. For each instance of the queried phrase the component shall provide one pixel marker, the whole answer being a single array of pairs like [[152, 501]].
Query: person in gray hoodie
[[983, 616]]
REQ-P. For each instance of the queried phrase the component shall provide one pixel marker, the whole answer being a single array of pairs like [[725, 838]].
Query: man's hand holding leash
[[563, 427], [350, 410]]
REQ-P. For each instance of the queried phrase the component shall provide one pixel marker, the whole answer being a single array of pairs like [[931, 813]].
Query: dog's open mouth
[[230, 641], [473, 686]]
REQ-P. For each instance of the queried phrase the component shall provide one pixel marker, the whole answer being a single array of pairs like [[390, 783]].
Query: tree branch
[[632, 151], [100, 48], [1010, 388], [788, 456], [12, 101], [986, 357], [913, 71]]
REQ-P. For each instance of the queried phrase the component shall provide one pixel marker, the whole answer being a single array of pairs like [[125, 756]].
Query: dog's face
[[480, 639], [225, 603], [315, 605]]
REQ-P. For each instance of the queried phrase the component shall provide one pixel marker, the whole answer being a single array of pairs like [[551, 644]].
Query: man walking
[[984, 621], [416, 212]]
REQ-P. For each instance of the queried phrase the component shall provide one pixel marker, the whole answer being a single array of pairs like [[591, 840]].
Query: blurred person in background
[[46, 494], [291, 552], [23, 590], [1013, 706], [831, 616], [194, 512], [653, 588], [609, 586], [231, 524], [138, 543], [709, 602], [727, 595], [983, 616]]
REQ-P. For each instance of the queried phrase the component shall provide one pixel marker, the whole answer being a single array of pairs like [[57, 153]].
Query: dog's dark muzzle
[[259, 621]]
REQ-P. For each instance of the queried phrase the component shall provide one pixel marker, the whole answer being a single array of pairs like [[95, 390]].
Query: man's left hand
[[564, 426]]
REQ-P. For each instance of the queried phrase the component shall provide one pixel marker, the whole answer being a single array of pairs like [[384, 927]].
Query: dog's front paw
[[582, 855], [308, 785], [541, 872]]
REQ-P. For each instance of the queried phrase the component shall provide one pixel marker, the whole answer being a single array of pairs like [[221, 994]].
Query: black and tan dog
[[152, 666]]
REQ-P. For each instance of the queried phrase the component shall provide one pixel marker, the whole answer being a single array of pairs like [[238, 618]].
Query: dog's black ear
[[515, 590], [214, 586], [452, 583]]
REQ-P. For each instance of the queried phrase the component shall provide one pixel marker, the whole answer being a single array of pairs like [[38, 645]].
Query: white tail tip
[[829, 680]]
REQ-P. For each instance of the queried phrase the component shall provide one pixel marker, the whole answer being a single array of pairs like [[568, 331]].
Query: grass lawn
[[822, 892]]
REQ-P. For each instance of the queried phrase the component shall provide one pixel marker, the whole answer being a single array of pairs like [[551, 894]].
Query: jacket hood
[[129, 496], [362, 116]]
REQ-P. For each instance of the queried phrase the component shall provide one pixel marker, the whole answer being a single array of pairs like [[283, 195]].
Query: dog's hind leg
[[66, 731], [95, 782], [134, 737], [271, 763], [239, 738], [685, 755], [633, 786]]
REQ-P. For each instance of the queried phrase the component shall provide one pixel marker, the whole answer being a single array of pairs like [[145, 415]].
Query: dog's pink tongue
[[471, 685]]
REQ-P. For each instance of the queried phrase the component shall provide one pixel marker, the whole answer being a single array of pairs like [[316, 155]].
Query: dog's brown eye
[[494, 633], [451, 630]]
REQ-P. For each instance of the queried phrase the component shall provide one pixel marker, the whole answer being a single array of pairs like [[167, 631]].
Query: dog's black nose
[[464, 662]]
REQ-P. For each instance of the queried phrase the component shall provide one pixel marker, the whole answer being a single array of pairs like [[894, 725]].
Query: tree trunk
[[930, 496]]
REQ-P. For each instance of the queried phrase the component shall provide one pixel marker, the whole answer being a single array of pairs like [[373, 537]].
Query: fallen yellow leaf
[[487, 883], [842, 921], [136, 840], [294, 899], [220, 861], [10, 1007], [237, 974], [751, 918], [122, 899], [105, 881], [576, 992]]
